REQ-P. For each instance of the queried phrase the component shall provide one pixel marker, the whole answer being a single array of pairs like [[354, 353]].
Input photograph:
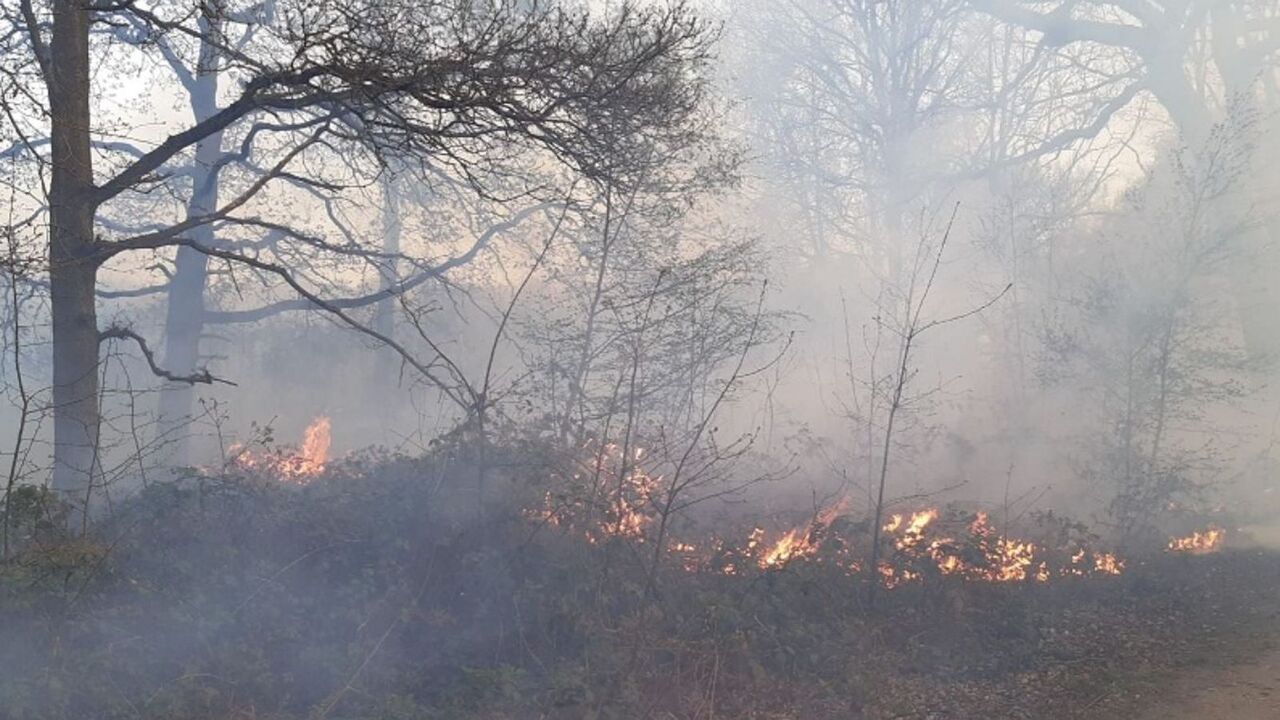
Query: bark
[[185, 316], [73, 265]]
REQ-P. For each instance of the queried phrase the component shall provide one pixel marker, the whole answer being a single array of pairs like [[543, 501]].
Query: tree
[[869, 110], [337, 84], [1167, 46], [1143, 332], [904, 317], [843, 92], [1202, 62]]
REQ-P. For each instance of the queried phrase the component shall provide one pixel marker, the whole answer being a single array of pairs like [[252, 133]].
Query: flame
[[913, 531], [1108, 564], [299, 467], [917, 546], [791, 545], [1198, 543], [981, 555], [1042, 572], [990, 557], [314, 452], [892, 577], [620, 503], [798, 542], [627, 514]]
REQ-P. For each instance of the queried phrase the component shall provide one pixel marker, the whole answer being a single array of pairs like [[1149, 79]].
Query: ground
[[1233, 675], [357, 600], [1245, 691]]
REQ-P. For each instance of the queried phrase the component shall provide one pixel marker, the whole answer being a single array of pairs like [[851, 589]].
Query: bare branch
[[121, 332]]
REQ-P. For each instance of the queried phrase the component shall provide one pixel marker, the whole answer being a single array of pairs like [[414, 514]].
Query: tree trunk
[[75, 358], [184, 319], [73, 266], [392, 226], [184, 323]]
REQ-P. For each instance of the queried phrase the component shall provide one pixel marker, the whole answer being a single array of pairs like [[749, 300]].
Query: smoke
[[903, 254]]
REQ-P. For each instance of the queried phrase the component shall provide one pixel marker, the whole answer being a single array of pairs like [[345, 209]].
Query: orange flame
[[1108, 564], [300, 467], [1198, 543], [913, 531], [797, 542], [620, 506], [917, 549], [996, 558]]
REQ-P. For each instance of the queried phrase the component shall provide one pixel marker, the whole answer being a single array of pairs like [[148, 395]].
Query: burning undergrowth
[[616, 498], [298, 465], [389, 588]]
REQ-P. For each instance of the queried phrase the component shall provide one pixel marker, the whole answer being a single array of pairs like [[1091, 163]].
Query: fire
[[913, 531], [920, 546], [797, 542], [1198, 543], [314, 452], [1108, 564], [1007, 559], [299, 467], [983, 556], [619, 504], [628, 513]]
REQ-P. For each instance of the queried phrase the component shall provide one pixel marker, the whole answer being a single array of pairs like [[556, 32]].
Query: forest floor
[[1246, 690], [1229, 669], [1202, 642], [365, 598]]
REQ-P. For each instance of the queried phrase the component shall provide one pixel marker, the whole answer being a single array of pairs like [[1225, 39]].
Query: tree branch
[[121, 332]]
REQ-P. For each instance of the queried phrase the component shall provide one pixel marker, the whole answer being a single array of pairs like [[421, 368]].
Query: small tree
[[906, 320]]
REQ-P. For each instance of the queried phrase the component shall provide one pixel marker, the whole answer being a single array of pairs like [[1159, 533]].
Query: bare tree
[[1203, 63], [334, 84], [1138, 329], [908, 322], [1162, 43]]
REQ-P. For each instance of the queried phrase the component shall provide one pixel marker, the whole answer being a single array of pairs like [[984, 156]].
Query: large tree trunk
[[73, 264], [75, 357], [184, 320]]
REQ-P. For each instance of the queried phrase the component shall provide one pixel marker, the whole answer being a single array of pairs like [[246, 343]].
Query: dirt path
[[1248, 691]]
